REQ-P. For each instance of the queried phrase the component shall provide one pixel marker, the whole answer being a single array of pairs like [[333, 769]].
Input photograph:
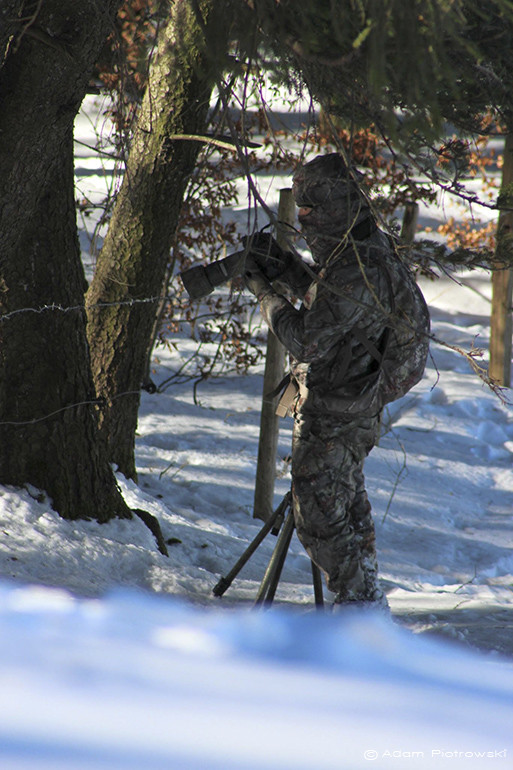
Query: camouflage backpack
[[402, 353], [399, 357]]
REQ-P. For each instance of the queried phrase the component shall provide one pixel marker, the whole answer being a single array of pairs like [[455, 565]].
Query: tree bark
[[135, 253], [502, 280], [48, 422]]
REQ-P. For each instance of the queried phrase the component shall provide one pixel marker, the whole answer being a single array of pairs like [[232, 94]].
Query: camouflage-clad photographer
[[358, 341]]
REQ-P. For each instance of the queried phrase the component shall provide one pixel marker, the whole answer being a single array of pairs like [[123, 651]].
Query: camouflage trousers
[[331, 509]]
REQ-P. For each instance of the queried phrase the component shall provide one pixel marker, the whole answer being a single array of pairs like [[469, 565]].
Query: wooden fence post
[[502, 281], [273, 374]]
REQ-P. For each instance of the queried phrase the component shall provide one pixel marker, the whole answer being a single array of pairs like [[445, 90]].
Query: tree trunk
[[502, 279], [48, 423], [135, 253]]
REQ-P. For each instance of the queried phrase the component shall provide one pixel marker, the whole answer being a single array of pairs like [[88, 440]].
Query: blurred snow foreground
[[140, 681]]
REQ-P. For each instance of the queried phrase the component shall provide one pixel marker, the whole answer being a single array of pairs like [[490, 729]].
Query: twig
[[183, 465], [402, 469], [226, 143], [468, 582], [97, 150]]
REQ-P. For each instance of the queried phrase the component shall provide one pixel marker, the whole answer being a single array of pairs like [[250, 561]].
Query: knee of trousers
[[322, 513], [325, 488]]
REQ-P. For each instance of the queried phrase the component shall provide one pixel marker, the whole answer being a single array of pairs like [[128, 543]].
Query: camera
[[201, 280]]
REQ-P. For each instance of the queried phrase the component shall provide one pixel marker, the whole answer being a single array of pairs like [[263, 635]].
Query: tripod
[[273, 572]]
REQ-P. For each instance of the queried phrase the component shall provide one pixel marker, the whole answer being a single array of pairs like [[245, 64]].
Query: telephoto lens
[[201, 280]]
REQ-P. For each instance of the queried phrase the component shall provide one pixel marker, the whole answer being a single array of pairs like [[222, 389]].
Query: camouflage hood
[[331, 190]]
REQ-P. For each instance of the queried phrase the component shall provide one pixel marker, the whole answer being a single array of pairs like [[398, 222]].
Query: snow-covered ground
[[113, 655]]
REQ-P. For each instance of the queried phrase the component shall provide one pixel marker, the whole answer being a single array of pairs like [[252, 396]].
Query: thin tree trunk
[[502, 281], [133, 260], [48, 423]]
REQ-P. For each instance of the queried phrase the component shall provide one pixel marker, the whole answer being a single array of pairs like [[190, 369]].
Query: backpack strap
[[280, 387], [378, 354], [370, 347]]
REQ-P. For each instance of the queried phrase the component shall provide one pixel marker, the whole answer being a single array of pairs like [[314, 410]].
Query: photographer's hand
[[255, 280], [268, 255]]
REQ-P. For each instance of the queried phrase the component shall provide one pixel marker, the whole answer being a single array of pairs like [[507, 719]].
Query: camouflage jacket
[[359, 338]]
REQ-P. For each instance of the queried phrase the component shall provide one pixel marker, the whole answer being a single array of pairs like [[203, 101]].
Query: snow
[[136, 680], [112, 655]]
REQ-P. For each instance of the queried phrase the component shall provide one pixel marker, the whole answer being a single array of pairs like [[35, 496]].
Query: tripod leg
[[287, 500], [317, 585], [273, 585], [273, 572], [226, 582]]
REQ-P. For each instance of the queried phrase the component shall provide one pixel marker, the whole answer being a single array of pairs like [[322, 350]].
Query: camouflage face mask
[[330, 203]]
